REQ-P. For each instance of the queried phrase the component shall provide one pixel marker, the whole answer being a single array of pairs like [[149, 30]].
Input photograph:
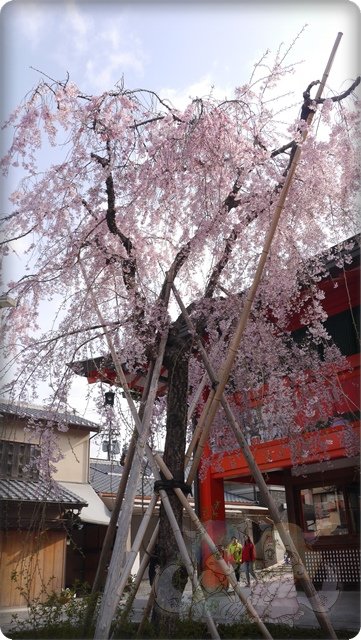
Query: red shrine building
[[322, 488]]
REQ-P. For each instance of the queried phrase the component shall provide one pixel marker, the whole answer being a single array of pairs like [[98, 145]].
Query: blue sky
[[179, 49], [176, 48]]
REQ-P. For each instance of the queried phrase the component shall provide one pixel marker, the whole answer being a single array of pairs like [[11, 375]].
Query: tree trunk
[[172, 574]]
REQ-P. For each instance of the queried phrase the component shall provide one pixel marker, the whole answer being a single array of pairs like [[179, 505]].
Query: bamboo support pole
[[111, 529], [226, 569], [110, 600], [226, 368], [182, 546], [191, 410], [127, 568], [197, 434], [197, 590], [110, 533], [110, 597], [139, 577], [298, 566], [147, 611], [157, 462], [197, 396]]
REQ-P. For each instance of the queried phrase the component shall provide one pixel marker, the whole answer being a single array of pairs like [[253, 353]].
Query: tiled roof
[[35, 491], [105, 476], [234, 497], [30, 411]]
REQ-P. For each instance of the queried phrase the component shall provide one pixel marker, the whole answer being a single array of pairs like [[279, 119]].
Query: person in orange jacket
[[248, 557]]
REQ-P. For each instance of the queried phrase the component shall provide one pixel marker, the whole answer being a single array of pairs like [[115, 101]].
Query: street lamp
[[6, 301]]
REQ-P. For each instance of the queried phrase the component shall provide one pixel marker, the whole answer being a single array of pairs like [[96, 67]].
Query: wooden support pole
[[110, 599], [110, 534], [127, 568], [226, 368], [298, 566], [226, 569], [139, 577], [147, 611], [197, 590], [197, 434], [112, 527]]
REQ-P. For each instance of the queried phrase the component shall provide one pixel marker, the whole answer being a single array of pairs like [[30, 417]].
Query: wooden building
[[41, 516]]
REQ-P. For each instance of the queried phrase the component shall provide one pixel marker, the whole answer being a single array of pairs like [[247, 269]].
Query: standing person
[[248, 557], [154, 561], [235, 554]]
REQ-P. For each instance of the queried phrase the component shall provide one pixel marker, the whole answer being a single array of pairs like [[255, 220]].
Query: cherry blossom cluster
[[128, 189]]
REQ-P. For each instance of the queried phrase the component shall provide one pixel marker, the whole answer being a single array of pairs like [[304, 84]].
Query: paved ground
[[274, 598]]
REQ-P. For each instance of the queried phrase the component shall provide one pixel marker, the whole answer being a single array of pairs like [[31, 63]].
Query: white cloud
[[104, 70], [31, 20], [78, 27], [101, 47], [91, 42], [205, 86]]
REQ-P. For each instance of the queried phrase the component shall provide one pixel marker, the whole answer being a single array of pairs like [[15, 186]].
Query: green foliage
[[193, 629], [59, 615], [70, 630]]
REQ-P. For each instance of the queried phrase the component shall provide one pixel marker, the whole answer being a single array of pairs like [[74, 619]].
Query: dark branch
[[221, 264], [103, 161], [129, 264], [343, 95], [306, 109], [22, 235], [177, 263], [230, 201], [276, 152]]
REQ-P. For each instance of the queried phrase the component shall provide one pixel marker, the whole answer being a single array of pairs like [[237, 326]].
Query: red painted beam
[[276, 454]]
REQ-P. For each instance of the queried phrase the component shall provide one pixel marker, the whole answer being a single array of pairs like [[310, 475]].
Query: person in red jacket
[[248, 557]]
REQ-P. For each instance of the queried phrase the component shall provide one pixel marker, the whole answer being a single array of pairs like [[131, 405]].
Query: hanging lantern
[[109, 398]]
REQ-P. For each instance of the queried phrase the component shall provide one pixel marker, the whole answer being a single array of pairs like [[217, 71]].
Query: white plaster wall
[[74, 445], [74, 467]]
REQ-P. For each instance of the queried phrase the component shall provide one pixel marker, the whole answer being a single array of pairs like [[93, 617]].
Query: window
[[326, 509], [342, 329], [353, 497], [19, 460]]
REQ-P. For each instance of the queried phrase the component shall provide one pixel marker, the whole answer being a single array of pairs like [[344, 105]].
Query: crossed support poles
[[115, 587]]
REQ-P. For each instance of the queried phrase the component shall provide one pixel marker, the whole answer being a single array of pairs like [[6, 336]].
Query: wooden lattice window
[[19, 460]]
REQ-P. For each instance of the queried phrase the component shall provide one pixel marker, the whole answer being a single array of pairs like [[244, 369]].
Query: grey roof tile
[[37, 491], [105, 476], [235, 497], [37, 413]]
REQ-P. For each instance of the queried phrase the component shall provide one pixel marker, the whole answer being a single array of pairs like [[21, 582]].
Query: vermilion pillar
[[212, 514]]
